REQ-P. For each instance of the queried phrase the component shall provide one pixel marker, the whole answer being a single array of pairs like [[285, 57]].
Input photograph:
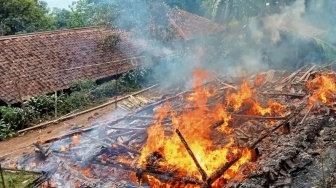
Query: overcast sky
[[58, 3]]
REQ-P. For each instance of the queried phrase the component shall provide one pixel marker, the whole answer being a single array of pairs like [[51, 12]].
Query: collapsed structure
[[257, 132]]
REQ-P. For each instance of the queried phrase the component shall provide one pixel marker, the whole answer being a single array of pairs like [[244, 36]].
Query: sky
[[58, 3]]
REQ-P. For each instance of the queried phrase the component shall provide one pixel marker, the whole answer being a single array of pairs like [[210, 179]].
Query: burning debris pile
[[260, 131]]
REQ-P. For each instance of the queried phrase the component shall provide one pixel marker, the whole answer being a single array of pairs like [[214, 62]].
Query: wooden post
[[116, 85], [2, 177], [18, 89], [55, 104]]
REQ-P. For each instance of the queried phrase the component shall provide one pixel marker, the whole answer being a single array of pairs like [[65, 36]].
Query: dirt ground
[[22, 144]]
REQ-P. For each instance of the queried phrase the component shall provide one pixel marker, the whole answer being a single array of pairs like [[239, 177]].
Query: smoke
[[275, 40], [273, 24]]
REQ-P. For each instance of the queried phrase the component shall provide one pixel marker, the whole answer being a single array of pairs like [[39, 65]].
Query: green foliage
[[18, 179], [5, 130], [23, 16], [85, 13], [107, 89], [193, 6], [329, 50], [13, 116], [82, 85], [110, 41], [40, 105], [226, 10], [84, 94]]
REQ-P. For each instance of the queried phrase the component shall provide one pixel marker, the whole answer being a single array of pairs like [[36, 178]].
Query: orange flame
[[195, 127], [324, 86], [237, 99], [259, 80], [86, 172], [50, 183], [244, 96], [75, 140], [32, 164], [63, 148], [12, 165]]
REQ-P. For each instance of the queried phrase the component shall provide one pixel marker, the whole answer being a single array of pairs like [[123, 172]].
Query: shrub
[[134, 80], [84, 94], [79, 100], [82, 85], [5, 130], [13, 117], [44, 104], [107, 89]]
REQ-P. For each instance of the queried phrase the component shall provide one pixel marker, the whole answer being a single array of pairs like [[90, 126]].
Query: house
[[39, 63], [46, 62], [191, 26]]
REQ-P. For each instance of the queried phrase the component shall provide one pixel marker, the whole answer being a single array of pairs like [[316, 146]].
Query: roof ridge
[[50, 32]]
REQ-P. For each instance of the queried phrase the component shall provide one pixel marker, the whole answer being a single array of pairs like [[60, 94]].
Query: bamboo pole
[[55, 104], [2, 177], [85, 111]]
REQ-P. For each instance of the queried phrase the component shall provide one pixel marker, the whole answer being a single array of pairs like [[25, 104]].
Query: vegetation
[[148, 19], [17, 179], [84, 94], [84, 13], [110, 41], [21, 16]]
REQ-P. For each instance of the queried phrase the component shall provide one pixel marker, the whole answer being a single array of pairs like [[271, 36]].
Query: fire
[[12, 165], [245, 97], [86, 172], [195, 126], [259, 80], [234, 169], [237, 99], [32, 164], [123, 160], [325, 88], [48, 184], [63, 148], [75, 140], [274, 108]]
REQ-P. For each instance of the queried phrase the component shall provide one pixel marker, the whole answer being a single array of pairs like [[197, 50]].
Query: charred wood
[[306, 115], [258, 117], [213, 177], [164, 177], [276, 127], [137, 135], [185, 144], [217, 124], [297, 95]]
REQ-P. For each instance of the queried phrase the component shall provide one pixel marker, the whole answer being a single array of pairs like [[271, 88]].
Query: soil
[[22, 144]]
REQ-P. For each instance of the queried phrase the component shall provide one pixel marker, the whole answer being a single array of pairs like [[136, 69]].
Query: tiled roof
[[190, 26], [39, 63]]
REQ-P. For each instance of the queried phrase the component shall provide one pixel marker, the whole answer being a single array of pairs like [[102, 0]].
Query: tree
[[193, 6], [85, 13], [23, 16]]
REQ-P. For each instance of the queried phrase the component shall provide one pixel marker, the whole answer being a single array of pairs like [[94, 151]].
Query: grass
[[17, 179]]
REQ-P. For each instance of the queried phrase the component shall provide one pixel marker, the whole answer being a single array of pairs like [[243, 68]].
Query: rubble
[[277, 131]]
